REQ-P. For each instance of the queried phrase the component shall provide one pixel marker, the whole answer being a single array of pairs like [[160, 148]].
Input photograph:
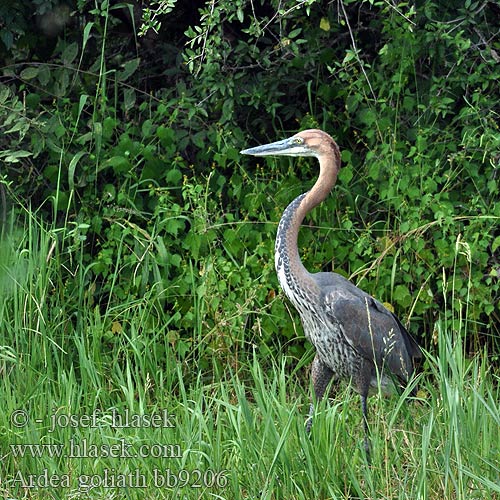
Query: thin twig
[[356, 51]]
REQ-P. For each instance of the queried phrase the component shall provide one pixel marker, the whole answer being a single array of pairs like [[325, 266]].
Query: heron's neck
[[287, 259]]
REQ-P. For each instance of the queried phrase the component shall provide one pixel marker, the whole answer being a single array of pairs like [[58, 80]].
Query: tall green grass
[[228, 434]]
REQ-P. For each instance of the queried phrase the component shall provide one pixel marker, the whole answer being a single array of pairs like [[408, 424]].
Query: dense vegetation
[[126, 147], [137, 243]]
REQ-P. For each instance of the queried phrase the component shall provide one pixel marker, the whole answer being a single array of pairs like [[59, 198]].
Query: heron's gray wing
[[371, 329]]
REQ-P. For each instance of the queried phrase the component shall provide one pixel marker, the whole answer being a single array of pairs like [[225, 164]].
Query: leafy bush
[[146, 195]]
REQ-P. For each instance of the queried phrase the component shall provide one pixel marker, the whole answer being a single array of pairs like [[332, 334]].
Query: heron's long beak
[[278, 148]]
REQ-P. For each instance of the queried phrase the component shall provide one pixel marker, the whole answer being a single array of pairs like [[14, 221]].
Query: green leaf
[[69, 54], [367, 116], [44, 75], [173, 226], [4, 94], [173, 177], [7, 38], [129, 68], [32, 100], [129, 98], [29, 73], [324, 24], [402, 295], [119, 164], [199, 139], [71, 169], [495, 244], [147, 128], [166, 135], [109, 192], [346, 175], [81, 104], [86, 34], [14, 156]]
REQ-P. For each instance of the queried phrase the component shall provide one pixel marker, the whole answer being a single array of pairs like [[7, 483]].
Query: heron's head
[[311, 142]]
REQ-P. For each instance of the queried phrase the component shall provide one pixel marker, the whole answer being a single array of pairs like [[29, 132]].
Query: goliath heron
[[355, 336]]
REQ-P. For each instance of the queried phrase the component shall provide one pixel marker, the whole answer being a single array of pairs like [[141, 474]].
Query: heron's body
[[306, 292], [355, 336]]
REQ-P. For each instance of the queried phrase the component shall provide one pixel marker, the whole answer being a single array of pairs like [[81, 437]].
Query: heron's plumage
[[369, 327], [355, 336]]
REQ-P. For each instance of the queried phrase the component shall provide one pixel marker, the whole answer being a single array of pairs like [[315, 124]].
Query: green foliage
[[424, 150], [136, 251], [444, 445], [144, 189], [151, 15]]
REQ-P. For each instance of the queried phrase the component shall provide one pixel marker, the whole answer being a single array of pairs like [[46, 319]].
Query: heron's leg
[[321, 376], [362, 382], [364, 409]]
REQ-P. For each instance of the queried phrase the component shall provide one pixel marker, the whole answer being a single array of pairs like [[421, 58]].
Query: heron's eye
[[298, 140]]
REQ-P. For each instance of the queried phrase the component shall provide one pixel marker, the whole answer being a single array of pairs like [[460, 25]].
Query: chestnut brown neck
[[287, 258]]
